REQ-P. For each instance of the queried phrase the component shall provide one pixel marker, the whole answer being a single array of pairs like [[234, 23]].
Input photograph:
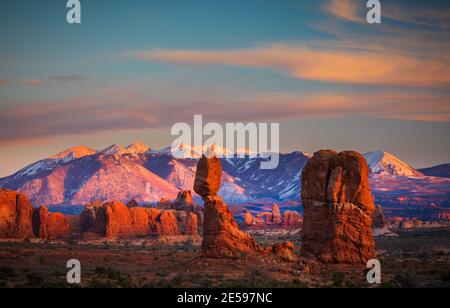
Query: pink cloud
[[37, 120], [369, 67]]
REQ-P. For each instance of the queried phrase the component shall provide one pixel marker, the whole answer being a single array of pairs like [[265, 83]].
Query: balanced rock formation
[[50, 226], [16, 215], [338, 208], [221, 234]]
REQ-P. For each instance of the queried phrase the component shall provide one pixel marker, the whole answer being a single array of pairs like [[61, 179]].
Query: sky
[[132, 69]]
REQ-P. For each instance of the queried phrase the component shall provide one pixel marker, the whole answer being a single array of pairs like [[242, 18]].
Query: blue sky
[[134, 68]]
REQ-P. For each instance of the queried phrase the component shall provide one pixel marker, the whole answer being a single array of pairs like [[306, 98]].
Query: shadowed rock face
[[16, 215], [338, 207], [221, 234], [50, 226], [378, 218]]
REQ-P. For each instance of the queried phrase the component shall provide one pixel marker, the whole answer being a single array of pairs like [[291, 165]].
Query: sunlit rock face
[[16, 215], [338, 208]]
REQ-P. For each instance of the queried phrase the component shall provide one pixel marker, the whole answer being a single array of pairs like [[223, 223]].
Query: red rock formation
[[262, 220], [118, 220], [93, 218], [338, 207], [248, 219], [221, 234], [208, 177], [16, 215], [58, 227], [184, 200], [115, 220], [276, 215], [378, 218], [285, 251], [191, 227], [167, 224], [291, 219]]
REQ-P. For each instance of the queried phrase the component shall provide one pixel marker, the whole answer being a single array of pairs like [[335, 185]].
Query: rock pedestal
[[221, 234]]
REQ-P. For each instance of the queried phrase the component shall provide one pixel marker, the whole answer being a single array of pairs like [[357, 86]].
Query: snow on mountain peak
[[194, 152], [137, 148], [73, 153], [115, 149], [385, 163]]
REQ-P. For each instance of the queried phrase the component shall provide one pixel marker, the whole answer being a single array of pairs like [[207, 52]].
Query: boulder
[[338, 208], [208, 177]]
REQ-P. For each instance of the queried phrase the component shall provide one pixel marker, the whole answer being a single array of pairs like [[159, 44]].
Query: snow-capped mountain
[[385, 163], [80, 175], [184, 151], [282, 183], [49, 163]]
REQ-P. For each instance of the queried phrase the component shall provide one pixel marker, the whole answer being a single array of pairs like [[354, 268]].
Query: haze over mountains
[[80, 175]]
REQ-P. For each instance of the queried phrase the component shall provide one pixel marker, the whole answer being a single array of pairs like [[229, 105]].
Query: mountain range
[[80, 175]]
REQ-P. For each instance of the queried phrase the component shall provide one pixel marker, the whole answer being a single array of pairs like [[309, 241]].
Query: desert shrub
[[100, 270], [7, 272], [406, 279], [338, 279], [445, 275], [34, 279], [100, 284]]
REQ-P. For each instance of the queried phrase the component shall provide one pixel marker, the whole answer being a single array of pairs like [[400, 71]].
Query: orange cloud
[[369, 67], [345, 9]]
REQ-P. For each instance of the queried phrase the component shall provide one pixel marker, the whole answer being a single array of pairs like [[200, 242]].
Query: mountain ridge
[[80, 175]]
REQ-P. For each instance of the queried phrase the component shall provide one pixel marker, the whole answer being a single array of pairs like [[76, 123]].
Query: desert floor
[[419, 258]]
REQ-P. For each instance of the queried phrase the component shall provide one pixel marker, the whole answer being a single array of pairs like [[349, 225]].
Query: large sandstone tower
[[338, 208]]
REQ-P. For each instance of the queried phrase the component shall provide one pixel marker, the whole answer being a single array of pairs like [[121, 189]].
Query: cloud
[[349, 10], [327, 64], [45, 120], [32, 82], [353, 10], [3, 82], [425, 17], [67, 78]]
